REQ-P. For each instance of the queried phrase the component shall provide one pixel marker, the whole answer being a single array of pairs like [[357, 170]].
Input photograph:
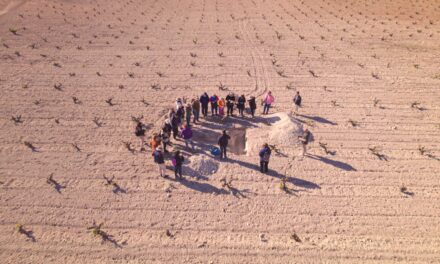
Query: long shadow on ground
[[295, 181], [334, 163], [200, 186], [319, 119]]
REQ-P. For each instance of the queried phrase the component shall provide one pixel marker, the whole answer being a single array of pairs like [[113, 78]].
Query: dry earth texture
[[75, 73]]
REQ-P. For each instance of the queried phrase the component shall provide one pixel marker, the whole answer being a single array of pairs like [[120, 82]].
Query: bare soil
[[75, 74]]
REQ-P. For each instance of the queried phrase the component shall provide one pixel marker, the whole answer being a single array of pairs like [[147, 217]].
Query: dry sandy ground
[[369, 75]]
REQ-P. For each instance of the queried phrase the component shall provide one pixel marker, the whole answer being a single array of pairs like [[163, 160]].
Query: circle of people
[[178, 126]]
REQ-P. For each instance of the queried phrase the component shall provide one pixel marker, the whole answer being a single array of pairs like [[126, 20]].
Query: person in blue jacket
[[264, 158], [214, 104]]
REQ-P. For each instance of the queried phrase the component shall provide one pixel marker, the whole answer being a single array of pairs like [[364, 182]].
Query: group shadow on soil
[[206, 137], [295, 181], [211, 189]]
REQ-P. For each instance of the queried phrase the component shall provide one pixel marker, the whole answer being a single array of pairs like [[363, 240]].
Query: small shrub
[[13, 31], [17, 119]]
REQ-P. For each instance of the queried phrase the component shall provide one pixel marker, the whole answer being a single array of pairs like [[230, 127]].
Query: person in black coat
[[175, 123], [241, 104], [178, 162], [204, 101], [297, 101], [223, 143], [252, 105], [140, 133], [230, 100]]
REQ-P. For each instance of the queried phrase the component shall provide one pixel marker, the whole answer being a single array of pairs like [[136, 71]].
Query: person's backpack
[[158, 157], [297, 100], [310, 138], [140, 130], [266, 155]]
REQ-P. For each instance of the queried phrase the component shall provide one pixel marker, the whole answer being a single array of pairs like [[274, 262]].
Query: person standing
[[160, 161], [140, 133], [179, 103], [175, 123], [180, 114], [264, 158], [171, 114], [196, 110], [252, 105], [230, 100], [188, 113], [267, 102], [223, 143], [305, 139], [165, 139], [178, 162], [297, 101], [187, 135], [241, 105], [221, 107], [204, 101], [214, 104], [155, 141]]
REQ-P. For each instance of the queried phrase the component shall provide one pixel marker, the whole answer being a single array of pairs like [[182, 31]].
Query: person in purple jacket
[[186, 134]]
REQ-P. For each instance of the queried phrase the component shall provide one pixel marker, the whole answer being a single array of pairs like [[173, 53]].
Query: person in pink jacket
[[267, 102]]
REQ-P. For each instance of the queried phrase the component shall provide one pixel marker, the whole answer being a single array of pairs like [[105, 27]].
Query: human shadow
[[431, 156], [105, 237], [295, 181], [56, 185], [202, 187], [334, 163], [239, 193], [319, 119], [235, 191], [408, 193], [118, 189], [29, 234], [188, 171]]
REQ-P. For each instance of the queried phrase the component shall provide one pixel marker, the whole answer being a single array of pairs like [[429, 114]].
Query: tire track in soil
[[260, 73]]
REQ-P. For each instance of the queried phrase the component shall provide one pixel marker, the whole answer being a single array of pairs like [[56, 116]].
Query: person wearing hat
[[179, 103], [160, 161]]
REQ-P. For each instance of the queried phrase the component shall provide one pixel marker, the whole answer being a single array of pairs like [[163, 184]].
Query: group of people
[[218, 104], [178, 125]]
